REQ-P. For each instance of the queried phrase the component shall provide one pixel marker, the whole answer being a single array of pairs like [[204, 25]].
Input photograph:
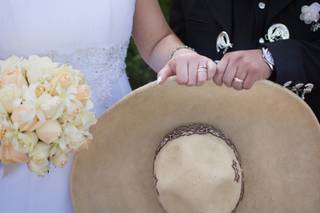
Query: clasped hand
[[239, 69]]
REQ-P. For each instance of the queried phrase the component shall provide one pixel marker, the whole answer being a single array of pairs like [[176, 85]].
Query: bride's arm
[[156, 42]]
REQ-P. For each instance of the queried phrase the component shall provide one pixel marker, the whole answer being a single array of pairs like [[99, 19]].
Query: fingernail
[[159, 80]]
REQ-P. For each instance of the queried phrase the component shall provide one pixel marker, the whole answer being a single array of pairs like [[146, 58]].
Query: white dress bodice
[[91, 35]]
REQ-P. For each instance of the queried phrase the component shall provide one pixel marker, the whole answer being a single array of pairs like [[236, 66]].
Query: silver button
[[262, 5], [261, 40]]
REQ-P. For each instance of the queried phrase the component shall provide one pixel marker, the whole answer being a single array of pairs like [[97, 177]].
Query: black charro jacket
[[199, 22]]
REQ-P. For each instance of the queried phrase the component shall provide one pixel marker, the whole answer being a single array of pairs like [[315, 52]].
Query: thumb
[[164, 74]]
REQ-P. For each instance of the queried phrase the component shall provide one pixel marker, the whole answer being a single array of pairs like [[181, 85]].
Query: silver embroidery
[[300, 89], [101, 66]]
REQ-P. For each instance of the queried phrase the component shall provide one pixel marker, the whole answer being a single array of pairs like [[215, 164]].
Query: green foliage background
[[138, 72]]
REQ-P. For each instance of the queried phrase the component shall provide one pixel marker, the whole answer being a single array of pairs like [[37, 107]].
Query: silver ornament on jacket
[[277, 32], [310, 15], [223, 42]]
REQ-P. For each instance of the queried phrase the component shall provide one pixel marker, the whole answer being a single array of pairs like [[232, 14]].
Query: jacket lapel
[[276, 6], [222, 13]]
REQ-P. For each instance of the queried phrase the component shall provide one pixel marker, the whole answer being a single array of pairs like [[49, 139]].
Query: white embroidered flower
[[310, 14]]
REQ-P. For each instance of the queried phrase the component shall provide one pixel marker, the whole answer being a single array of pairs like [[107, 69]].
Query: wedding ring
[[238, 80], [203, 69], [203, 66]]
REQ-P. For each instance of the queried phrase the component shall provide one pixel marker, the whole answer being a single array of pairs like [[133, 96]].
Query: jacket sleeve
[[177, 21], [297, 61]]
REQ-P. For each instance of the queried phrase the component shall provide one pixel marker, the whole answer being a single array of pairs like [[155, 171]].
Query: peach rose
[[62, 78], [49, 131], [9, 155], [83, 93]]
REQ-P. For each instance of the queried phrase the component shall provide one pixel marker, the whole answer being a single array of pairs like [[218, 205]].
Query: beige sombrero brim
[[277, 135]]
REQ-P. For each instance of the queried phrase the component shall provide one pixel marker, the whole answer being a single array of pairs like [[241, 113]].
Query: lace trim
[[101, 66]]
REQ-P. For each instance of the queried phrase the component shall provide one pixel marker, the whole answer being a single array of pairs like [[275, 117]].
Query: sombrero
[[208, 149]]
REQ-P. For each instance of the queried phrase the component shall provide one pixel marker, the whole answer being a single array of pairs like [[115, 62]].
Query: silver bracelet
[[180, 48]]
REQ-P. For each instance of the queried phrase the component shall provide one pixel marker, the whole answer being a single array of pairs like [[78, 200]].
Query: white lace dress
[[91, 35]]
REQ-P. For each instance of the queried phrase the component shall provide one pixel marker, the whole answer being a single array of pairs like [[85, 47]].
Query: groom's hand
[[189, 67], [241, 69]]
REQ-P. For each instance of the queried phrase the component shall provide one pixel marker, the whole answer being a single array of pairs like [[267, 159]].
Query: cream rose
[[27, 141], [72, 138], [84, 120], [10, 97], [39, 162], [24, 117], [39, 69], [11, 63], [52, 107], [49, 131], [58, 157], [22, 142], [41, 168], [40, 152], [5, 121], [13, 76]]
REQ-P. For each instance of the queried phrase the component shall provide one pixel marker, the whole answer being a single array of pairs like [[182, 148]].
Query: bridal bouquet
[[44, 112]]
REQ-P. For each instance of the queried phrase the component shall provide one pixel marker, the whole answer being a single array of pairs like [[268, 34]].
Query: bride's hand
[[189, 67], [156, 41]]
